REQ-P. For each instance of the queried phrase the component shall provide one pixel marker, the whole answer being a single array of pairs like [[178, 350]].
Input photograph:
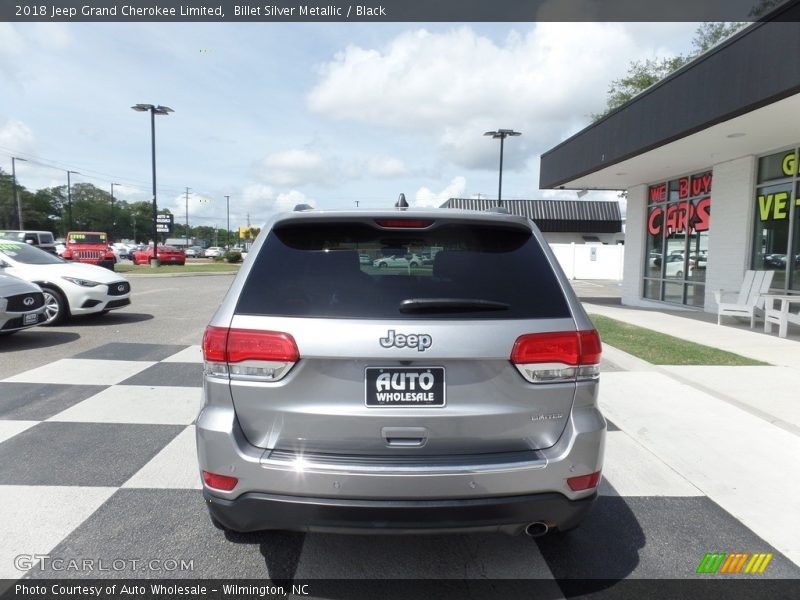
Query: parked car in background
[[675, 266], [168, 255], [89, 247], [195, 252], [121, 250], [69, 288], [41, 239], [364, 259], [214, 251], [21, 304], [408, 260]]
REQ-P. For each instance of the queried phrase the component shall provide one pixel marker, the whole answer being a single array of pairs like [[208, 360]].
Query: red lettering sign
[[683, 188], [655, 221], [680, 217], [658, 193]]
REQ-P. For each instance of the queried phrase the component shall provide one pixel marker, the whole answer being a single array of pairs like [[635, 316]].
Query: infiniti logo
[[421, 341], [121, 287], [28, 301]]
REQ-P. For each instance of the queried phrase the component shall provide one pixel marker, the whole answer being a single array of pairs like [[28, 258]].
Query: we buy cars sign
[[164, 223]]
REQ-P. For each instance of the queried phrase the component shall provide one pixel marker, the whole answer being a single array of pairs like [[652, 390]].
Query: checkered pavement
[[97, 461]]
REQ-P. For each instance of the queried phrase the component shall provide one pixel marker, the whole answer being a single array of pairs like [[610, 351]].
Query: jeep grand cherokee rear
[[457, 395]]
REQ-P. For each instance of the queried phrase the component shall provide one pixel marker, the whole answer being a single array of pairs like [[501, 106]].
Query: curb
[[196, 274]]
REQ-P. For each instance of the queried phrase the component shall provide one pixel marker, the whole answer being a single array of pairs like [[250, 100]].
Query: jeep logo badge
[[420, 341], [28, 301]]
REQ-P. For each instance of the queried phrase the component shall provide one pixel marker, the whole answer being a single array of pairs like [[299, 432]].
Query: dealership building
[[709, 160]]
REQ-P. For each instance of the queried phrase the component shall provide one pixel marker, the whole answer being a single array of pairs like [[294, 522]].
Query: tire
[[413, 265], [679, 274], [382, 265], [56, 307]]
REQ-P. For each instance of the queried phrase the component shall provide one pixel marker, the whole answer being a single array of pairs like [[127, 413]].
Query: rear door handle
[[409, 437]]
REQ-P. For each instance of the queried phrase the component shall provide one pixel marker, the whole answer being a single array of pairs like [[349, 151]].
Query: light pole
[[186, 234], [69, 199], [228, 230], [502, 134], [113, 224], [16, 191], [153, 110]]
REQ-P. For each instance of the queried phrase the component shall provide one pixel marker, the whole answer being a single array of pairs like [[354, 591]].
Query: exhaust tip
[[537, 529]]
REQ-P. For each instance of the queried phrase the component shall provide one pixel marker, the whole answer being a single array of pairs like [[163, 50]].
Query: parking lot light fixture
[[113, 224], [501, 134], [16, 190], [153, 110]]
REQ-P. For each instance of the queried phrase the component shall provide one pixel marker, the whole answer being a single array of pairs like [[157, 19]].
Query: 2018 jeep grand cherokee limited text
[[458, 395]]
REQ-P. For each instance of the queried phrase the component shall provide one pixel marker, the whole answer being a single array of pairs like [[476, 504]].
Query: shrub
[[233, 257]]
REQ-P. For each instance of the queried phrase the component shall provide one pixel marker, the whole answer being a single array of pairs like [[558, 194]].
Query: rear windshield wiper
[[419, 305]]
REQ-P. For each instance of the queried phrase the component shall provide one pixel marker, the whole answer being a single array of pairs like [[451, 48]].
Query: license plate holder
[[30, 319], [404, 387]]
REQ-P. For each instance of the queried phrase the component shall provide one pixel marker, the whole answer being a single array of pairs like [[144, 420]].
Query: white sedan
[[69, 288], [21, 304]]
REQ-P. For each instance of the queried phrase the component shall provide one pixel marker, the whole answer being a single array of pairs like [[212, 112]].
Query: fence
[[590, 261]]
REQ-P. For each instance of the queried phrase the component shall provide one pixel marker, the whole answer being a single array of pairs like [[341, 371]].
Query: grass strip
[[187, 268], [662, 349]]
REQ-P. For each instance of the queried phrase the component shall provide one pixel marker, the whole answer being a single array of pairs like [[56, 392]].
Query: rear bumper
[[256, 511]]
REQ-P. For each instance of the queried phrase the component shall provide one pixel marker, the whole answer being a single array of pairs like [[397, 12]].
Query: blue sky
[[330, 114]]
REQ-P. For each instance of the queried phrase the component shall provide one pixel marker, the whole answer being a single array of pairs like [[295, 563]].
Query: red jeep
[[89, 247]]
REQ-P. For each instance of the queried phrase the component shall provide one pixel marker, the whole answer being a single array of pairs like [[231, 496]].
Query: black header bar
[[385, 10]]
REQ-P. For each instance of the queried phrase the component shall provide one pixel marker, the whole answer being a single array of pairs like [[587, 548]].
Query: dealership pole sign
[[164, 223]]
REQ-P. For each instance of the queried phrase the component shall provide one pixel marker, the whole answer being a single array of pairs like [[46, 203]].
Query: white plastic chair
[[749, 300], [781, 316]]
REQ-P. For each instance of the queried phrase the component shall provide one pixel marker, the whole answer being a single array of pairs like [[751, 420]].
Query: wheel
[[679, 274], [413, 265], [381, 265], [55, 306]]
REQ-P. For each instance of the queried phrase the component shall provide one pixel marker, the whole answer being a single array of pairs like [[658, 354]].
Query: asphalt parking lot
[[97, 461]]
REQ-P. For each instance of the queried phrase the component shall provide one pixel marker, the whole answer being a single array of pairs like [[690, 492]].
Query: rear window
[[354, 270]]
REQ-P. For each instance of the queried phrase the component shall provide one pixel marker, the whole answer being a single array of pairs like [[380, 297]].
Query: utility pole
[[187, 219], [228, 230], [16, 190]]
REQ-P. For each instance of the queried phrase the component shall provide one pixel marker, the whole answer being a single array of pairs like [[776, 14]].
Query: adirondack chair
[[750, 297]]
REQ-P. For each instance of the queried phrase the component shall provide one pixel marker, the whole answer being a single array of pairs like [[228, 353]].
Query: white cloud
[[427, 197], [291, 199], [294, 167], [17, 137], [457, 84], [386, 166]]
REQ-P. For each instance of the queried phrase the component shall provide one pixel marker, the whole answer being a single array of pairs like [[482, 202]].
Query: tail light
[[220, 482], [584, 482], [558, 357], [404, 223], [247, 354]]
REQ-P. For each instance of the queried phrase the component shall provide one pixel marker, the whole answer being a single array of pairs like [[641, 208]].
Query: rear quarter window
[[357, 270]]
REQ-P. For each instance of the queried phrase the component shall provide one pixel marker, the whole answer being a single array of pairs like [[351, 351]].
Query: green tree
[[644, 73]]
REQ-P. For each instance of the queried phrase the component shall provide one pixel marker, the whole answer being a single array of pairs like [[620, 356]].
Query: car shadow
[[112, 318], [38, 337], [596, 556]]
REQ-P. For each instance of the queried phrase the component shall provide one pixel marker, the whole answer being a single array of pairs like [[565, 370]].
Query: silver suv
[[460, 395]]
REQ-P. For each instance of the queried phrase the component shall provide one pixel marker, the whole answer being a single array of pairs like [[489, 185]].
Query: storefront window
[[776, 243], [678, 220]]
